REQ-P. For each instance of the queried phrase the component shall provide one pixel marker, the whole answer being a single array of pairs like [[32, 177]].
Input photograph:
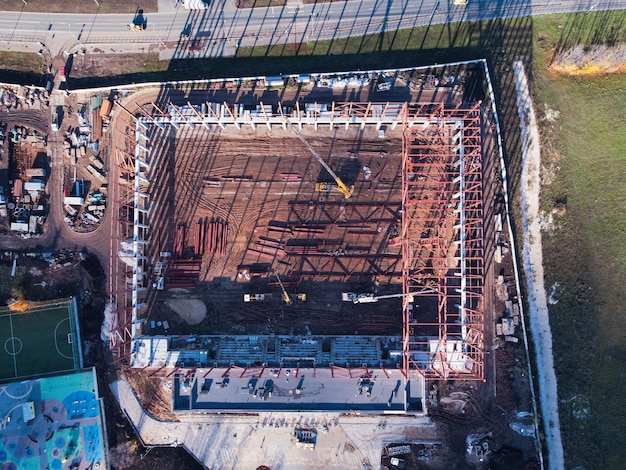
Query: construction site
[[354, 247]]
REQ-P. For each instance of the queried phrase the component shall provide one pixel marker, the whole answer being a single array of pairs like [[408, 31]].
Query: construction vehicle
[[340, 185], [370, 298], [325, 187], [286, 297], [55, 122], [256, 297], [135, 27], [195, 4]]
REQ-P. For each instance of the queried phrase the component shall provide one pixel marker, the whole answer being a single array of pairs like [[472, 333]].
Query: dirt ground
[[238, 178], [257, 182], [125, 450], [91, 65], [80, 6]]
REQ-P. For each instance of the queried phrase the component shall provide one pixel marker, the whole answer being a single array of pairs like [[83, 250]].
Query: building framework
[[442, 246], [442, 220]]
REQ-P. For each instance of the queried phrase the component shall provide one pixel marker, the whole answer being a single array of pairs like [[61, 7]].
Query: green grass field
[[584, 160], [35, 343], [22, 62]]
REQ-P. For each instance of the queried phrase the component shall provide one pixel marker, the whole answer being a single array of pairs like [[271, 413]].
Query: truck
[[105, 109], [397, 463], [195, 4], [62, 73], [256, 297], [135, 27], [55, 122]]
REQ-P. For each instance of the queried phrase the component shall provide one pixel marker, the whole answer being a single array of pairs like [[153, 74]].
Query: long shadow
[[500, 41], [587, 29]]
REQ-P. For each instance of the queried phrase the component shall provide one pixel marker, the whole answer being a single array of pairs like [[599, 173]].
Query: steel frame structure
[[129, 229], [441, 224], [442, 245]]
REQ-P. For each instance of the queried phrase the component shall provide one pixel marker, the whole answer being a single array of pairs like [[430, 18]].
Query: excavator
[[340, 186]]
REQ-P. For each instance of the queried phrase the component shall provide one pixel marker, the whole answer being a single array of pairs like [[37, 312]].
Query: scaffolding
[[442, 245]]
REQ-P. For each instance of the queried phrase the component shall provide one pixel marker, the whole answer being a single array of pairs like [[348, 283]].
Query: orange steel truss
[[442, 244], [120, 291], [441, 237]]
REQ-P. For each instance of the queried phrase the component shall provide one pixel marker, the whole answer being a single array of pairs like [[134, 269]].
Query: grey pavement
[[220, 29], [247, 441]]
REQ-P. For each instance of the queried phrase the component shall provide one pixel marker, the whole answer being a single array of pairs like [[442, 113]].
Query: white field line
[[532, 259]]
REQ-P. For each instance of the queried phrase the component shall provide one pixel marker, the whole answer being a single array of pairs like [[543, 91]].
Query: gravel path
[[532, 259]]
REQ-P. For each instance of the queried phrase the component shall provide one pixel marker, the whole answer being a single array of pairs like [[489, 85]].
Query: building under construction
[[341, 242]]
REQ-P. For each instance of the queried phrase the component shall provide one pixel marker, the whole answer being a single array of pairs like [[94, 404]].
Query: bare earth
[[193, 311]]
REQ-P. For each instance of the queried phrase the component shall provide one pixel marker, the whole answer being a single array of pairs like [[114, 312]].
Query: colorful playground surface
[[39, 341], [52, 423]]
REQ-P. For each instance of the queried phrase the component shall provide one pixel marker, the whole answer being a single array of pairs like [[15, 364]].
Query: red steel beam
[[441, 206]]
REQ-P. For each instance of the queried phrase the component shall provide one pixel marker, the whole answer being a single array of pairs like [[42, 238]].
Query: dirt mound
[[193, 311]]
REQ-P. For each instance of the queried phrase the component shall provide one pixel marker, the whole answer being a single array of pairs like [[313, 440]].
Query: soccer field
[[42, 340]]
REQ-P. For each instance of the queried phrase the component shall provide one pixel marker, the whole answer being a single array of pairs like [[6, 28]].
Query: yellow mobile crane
[[342, 187], [286, 297]]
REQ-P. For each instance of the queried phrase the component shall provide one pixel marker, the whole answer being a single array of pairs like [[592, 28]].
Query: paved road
[[278, 25]]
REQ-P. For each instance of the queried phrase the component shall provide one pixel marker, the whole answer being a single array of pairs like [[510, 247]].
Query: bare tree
[[123, 455]]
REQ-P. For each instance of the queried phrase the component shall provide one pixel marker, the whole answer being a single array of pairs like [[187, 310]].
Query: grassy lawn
[[80, 6], [584, 162], [22, 62]]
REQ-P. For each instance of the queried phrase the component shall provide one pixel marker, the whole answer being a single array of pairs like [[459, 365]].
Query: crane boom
[[370, 298], [341, 186], [286, 297]]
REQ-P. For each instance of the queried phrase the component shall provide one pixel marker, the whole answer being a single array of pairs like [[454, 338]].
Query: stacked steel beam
[[180, 239], [183, 273], [211, 236], [216, 242], [200, 232], [268, 246]]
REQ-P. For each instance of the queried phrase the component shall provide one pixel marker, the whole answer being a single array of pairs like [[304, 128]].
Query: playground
[[54, 423], [41, 340]]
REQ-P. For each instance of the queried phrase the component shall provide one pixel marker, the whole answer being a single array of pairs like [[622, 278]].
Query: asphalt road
[[294, 22]]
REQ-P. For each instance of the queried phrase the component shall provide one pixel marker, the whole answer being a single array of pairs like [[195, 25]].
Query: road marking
[[13, 336]]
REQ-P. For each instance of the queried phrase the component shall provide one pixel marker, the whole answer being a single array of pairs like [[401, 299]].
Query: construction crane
[[286, 297], [342, 187], [370, 298]]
